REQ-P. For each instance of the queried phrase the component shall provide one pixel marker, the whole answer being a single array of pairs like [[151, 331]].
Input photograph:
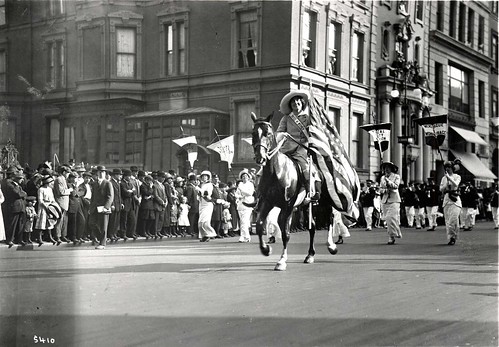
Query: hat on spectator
[[215, 175], [63, 169], [206, 173], [79, 168], [47, 179], [11, 170], [192, 176], [134, 168], [117, 172], [73, 174], [127, 172], [140, 173], [147, 178], [54, 211], [244, 172], [394, 167], [168, 176], [180, 179], [161, 174], [87, 174]]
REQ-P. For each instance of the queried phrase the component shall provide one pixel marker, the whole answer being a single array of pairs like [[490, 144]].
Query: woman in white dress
[[44, 222], [205, 191], [244, 194], [2, 225]]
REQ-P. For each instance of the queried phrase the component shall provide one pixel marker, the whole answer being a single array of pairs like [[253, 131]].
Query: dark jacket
[[129, 198], [102, 195], [191, 194], [14, 198], [117, 201], [431, 195], [469, 196]]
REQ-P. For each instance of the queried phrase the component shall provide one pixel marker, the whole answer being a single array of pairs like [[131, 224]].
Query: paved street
[[180, 292]]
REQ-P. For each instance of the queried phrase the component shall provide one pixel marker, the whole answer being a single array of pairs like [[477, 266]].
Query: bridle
[[265, 141]]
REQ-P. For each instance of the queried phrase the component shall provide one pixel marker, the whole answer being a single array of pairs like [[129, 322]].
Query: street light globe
[[395, 93]]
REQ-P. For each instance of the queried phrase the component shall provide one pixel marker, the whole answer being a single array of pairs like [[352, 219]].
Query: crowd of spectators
[[75, 204]]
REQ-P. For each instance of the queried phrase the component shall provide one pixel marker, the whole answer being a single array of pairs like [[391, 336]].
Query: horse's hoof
[[266, 251], [332, 250], [309, 259], [280, 267]]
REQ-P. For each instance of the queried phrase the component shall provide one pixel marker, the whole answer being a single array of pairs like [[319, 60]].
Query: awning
[[469, 136], [474, 165], [182, 112]]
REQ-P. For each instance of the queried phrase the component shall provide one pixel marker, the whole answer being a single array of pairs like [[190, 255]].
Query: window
[[452, 18], [417, 52], [3, 71], [112, 141], [152, 160], [471, 27], [56, 70], [357, 56], [335, 116], [494, 53], [385, 51], [133, 143], [54, 136], [175, 48], [244, 124], [494, 5], [439, 86], [356, 140], [2, 12], [334, 48], [481, 33], [125, 52], [419, 10], [481, 99], [462, 22], [494, 104], [56, 7], [440, 15], [458, 89], [308, 39], [248, 39], [69, 143]]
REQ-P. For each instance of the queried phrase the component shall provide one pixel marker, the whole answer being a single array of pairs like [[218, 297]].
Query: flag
[[380, 134], [435, 129], [341, 178], [189, 143], [225, 148]]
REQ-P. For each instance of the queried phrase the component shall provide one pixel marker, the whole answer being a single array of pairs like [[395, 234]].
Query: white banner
[[185, 140], [225, 148]]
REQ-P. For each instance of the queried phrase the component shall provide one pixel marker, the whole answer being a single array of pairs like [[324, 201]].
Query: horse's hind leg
[[261, 218], [331, 246], [284, 222], [309, 259]]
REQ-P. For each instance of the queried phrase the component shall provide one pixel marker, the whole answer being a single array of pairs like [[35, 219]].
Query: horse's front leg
[[309, 259], [284, 222], [261, 218], [331, 246]]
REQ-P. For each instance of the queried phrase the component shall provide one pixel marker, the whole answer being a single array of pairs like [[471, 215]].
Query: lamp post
[[405, 72]]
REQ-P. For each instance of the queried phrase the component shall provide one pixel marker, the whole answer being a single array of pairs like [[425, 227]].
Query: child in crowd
[[30, 219], [226, 220], [183, 215]]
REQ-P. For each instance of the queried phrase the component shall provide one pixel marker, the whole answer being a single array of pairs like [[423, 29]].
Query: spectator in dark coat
[[115, 216], [191, 194], [100, 206], [469, 199], [131, 202], [76, 218], [147, 213], [14, 208], [218, 201]]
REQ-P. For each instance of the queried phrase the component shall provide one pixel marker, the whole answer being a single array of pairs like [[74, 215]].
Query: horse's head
[[261, 137]]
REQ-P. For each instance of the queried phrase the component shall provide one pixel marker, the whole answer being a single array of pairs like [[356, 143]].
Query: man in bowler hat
[[100, 205]]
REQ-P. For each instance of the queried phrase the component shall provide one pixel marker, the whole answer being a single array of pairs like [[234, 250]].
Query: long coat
[[61, 192], [102, 195]]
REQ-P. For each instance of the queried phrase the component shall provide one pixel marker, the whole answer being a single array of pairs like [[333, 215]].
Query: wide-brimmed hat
[[284, 106], [179, 179], [394, 167], [54, 211], [147, 178], [47, 179], [87, 174], [117, 172], [101, 168], [244, 172], [79, 168], [206, 173]]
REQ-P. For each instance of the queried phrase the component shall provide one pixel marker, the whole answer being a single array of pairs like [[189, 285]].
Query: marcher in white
[[206, 231], [452, 202], [390, 200], [245, 195]]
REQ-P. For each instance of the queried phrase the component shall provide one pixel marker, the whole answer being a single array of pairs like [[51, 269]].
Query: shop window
[[133, 143]]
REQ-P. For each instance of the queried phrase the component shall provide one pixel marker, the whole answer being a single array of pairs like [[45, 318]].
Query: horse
[[281, 186]]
